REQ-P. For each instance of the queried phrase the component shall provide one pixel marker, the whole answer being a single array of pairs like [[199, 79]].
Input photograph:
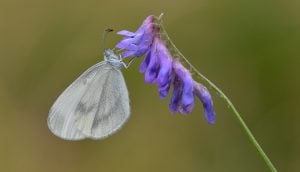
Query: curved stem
[[228, 102]]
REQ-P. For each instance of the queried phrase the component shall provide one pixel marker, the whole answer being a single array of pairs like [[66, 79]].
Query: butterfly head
[[113, 59]]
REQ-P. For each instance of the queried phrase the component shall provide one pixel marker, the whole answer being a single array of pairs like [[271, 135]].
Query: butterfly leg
[[128, 64]]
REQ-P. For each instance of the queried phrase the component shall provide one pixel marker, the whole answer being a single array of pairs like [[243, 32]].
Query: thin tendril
[[225, 98]]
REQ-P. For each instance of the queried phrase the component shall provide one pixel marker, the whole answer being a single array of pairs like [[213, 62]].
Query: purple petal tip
[[202, 93]]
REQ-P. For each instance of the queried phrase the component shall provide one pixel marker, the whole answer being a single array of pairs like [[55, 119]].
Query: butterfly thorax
[[113, 59]]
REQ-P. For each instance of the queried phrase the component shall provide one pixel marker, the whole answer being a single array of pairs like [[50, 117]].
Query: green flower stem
[[226, 99]]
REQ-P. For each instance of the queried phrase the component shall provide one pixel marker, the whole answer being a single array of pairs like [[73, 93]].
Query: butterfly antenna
[[105, 32]]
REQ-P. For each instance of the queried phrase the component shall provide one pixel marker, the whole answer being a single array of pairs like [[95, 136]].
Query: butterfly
[[95, 105]]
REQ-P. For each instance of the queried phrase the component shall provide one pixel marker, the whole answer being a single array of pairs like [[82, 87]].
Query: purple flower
[[160, 68], [202, 93], [138, 43], [176, 96], [165, 75], [157, 67], [183, 96]]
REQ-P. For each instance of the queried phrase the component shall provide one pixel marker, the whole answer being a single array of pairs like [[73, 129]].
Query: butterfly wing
[[62, 114], [102, 111], [94, 106]]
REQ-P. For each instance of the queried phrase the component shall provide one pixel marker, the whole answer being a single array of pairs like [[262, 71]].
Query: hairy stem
[[227, 101]]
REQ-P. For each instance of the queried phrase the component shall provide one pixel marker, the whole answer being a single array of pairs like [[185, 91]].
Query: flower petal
[[176, 95], [127, 54], [165, 59], [128, 41], [202, 93], [129, 47], [145, 63], [164, 90], [187, 82], [153, 67], [148, 20], [126, 33]]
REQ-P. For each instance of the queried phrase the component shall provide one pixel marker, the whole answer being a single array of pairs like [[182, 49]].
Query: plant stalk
[[227, 101]]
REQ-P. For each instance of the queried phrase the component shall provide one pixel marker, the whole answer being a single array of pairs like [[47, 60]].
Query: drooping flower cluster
[[162, 69]]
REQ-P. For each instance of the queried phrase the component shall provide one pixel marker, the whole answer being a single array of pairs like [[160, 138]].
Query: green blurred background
[[250, 49]]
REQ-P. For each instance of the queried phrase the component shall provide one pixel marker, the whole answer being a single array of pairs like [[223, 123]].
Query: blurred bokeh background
[[250, 49]]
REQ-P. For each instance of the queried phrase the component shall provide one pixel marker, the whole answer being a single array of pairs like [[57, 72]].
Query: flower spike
[[160, 68]]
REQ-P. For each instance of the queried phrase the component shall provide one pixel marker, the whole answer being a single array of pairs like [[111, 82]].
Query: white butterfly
[[95, 105]]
